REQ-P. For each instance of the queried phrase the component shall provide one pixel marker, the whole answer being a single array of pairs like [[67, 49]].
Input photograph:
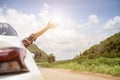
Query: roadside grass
[[101, 65]]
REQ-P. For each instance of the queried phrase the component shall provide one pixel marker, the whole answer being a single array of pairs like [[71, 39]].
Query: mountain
[[34, 49], [109, 48]]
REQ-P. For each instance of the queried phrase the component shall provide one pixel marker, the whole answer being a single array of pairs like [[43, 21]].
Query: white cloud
[[44, 13], [23, 23], [1, 11], [66, 40], [93, 19], [2, 19], [113, 24], [45, 5]]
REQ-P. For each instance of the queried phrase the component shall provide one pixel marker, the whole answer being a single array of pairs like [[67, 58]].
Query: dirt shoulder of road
[[84, 75], [90, 73]]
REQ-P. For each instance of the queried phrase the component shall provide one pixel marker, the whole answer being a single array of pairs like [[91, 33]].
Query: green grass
[[101, 65]]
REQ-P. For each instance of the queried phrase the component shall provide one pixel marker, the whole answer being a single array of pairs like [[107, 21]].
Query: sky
[[81, 23]]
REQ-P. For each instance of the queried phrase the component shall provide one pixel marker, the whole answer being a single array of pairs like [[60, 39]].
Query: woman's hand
[[50, 25]]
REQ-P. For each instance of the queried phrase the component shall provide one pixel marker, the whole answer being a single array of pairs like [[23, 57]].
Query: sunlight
[[57, 18]]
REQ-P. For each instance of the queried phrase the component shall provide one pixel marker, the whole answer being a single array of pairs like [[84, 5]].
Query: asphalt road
[[61, 74]]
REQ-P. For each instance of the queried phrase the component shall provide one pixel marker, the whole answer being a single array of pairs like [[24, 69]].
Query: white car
[[16, 62]]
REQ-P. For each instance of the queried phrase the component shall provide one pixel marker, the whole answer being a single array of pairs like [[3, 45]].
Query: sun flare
[[57, 18]]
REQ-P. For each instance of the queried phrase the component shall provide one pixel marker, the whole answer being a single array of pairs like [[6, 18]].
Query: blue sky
[[82, 23], [77, 9]]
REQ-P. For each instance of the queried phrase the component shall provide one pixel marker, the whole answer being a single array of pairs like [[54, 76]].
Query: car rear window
[[6, 29]]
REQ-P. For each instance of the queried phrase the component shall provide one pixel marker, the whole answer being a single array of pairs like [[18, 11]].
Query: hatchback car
[[16, 62]]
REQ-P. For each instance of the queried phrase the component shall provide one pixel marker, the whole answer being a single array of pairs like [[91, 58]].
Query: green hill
[[34, 49], [109, 48], [101, 58]]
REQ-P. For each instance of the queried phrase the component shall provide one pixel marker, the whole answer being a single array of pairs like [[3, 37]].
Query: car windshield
[[6, 29]]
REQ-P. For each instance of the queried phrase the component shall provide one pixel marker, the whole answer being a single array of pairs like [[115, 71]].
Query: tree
[[51, 58]]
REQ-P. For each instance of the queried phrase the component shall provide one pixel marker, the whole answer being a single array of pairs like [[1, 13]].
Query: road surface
[[61, 74]]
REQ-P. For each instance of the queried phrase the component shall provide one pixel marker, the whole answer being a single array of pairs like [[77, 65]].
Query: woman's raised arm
[[30, 39]]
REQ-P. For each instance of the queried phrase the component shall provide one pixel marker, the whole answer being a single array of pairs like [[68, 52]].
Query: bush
[[99, 65]]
